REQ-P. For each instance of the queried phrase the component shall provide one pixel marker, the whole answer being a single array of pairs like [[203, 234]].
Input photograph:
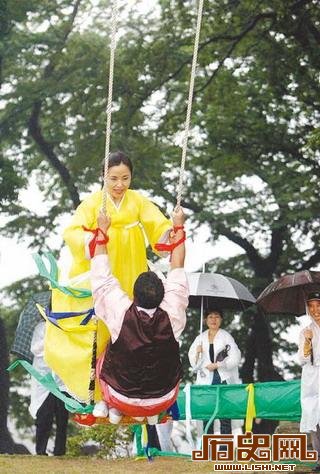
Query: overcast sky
[[16, 260]]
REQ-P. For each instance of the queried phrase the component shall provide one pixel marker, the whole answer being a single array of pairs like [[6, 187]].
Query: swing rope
[[114, 22], [92, 381], [189, 107]]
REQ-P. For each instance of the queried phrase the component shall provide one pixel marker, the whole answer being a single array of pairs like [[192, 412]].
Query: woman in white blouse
[[215, 356]]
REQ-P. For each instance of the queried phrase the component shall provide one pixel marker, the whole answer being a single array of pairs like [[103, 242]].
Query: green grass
[[88, 465]]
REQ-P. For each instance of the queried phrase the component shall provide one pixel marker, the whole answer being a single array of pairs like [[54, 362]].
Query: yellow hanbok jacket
[[132, 222], [68, 351]]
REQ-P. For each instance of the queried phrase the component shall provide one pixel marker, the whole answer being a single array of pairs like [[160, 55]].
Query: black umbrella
[[287, 295]]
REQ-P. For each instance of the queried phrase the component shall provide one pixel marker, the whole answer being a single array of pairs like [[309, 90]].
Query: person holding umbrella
[[295, 294], [309, 356], [215, 356]]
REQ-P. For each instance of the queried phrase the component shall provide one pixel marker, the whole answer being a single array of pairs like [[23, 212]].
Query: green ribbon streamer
[[214, 414], [50, 384], [52, 276]]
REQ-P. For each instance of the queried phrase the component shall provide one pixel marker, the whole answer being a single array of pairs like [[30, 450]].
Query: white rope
[[199, 358], [202, 309], [114, 21], [189, 108]]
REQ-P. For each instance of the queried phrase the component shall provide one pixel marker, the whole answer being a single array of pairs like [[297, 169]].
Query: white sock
[[114, 416], [152, 420], [100, 409]]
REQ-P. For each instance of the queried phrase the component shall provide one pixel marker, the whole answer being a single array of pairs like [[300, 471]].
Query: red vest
[[144, 361]]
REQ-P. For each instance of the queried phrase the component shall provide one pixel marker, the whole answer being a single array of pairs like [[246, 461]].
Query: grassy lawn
[[86, 465]]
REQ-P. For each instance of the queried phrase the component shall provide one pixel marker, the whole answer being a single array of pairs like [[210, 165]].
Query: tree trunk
[[258, 353], [6, 442], [258, 363]]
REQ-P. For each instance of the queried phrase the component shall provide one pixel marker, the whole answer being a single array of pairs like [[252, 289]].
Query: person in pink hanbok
[[141, 369]]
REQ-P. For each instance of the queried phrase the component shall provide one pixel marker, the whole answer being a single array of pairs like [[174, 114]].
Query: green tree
[[251, 176]]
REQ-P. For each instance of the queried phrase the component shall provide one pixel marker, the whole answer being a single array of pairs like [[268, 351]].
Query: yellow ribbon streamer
[[251, 408], [144, 436]]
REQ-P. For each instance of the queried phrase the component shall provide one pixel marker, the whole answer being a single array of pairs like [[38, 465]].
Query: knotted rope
[[114, 22], [189, 107]]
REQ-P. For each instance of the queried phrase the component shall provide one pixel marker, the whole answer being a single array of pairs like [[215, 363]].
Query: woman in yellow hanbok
[[134, 219]]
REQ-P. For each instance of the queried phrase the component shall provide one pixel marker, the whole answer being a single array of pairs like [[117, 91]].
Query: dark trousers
[[153, 439], [225, 424], [52, 408], [315, 439]]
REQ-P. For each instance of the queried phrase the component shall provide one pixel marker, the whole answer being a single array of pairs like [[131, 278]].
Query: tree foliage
[[113, 441]]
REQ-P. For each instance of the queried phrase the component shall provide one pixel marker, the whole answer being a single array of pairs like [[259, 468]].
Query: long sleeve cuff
[[100, 271]]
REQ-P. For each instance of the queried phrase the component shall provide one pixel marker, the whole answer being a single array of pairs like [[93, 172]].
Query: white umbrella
[[213, 289]]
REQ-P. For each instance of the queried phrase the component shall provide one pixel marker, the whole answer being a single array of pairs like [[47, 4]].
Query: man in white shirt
[[309, 355]]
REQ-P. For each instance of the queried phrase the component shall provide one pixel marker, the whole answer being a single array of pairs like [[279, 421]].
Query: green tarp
[[273, 400]]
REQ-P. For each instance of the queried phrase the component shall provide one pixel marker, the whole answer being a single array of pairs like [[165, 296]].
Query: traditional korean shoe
[[114, 416], [100, 410], [152, 420]]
